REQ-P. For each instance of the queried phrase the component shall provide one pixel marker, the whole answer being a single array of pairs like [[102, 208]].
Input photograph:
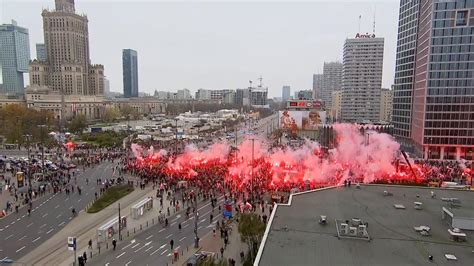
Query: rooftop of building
[[295, 237]]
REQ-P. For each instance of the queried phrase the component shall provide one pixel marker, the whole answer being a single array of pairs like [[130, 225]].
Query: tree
[[111, 114], [129, 112], [251, 230], [212, 261], [78, 124], [20, 121]]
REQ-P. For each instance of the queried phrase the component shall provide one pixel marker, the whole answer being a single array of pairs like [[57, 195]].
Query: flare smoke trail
[[362, 158]]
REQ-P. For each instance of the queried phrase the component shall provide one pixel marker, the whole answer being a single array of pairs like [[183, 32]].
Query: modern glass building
[[404, 71], [442, 124], [14, 57], [41, 51], [130, 73]]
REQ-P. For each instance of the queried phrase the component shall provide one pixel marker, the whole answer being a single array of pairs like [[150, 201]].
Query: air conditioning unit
[[363, 230], [353, 231], [344, 228]]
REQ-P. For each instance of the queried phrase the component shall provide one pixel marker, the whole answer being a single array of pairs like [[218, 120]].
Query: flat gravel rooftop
[[296, 238]]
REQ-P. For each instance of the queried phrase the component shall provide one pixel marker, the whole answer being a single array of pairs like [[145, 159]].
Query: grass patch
[[110, 196]]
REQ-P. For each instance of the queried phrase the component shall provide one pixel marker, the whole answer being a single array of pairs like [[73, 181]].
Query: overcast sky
[[220, 44]]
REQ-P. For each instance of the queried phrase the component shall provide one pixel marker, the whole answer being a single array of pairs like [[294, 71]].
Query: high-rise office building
[[317, 85], [130, 73], [106, 87], [67, 69], [14, 57], [386, 105], [285, 93], [332, 81], [442, 112], [404, 70], [304, 95], [41, 51], [362, 78]]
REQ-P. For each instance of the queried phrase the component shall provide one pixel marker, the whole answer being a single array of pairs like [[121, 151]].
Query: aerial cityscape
[[237, 133]]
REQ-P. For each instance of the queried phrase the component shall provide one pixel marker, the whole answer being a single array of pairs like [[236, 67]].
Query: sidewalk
[[84, 227], [211, 243], [134, 227]]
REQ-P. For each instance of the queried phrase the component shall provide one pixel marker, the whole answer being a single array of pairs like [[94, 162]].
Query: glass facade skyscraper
[[130, 73], [404, 70], [442, 97], [14, 57]]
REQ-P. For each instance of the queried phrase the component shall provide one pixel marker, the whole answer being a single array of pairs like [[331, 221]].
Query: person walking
[[84, 257], [171, 244], [114, 243]]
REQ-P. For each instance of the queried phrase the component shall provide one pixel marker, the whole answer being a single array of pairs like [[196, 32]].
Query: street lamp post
[[196, 218], [27, 136], [176, 138], [42, 148], [251, 177]]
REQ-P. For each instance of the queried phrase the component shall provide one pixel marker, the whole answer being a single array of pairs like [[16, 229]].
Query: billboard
[[303, 104], [301, 120]]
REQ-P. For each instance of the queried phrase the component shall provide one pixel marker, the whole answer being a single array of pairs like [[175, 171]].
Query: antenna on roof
[[360, 17], [375, 11]]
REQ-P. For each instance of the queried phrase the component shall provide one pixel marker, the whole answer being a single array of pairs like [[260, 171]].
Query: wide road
[[20, 233], [152, 247]]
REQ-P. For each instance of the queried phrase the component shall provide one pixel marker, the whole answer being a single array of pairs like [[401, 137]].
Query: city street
[[20, 233], [152, 247]]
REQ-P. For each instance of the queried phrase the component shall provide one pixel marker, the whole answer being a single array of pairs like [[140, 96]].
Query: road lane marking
[[67, 199], [57, 206], [149, 237], [182, 239], [161, 230], [12, 223], [128, 263], [164, 245], [134, 246], [45, 215], [79, 200], [36, 239], [199, 227], [185, 226], [20, 249], [151, 254], [120, 255], [169, 254], [146, 250], [61, 224], [173, 223], [138, 249], [58, 216], [50, 231], [169, 236], [22, 237], [164, 251], [203, 220], [9, 236], [42, 226]]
